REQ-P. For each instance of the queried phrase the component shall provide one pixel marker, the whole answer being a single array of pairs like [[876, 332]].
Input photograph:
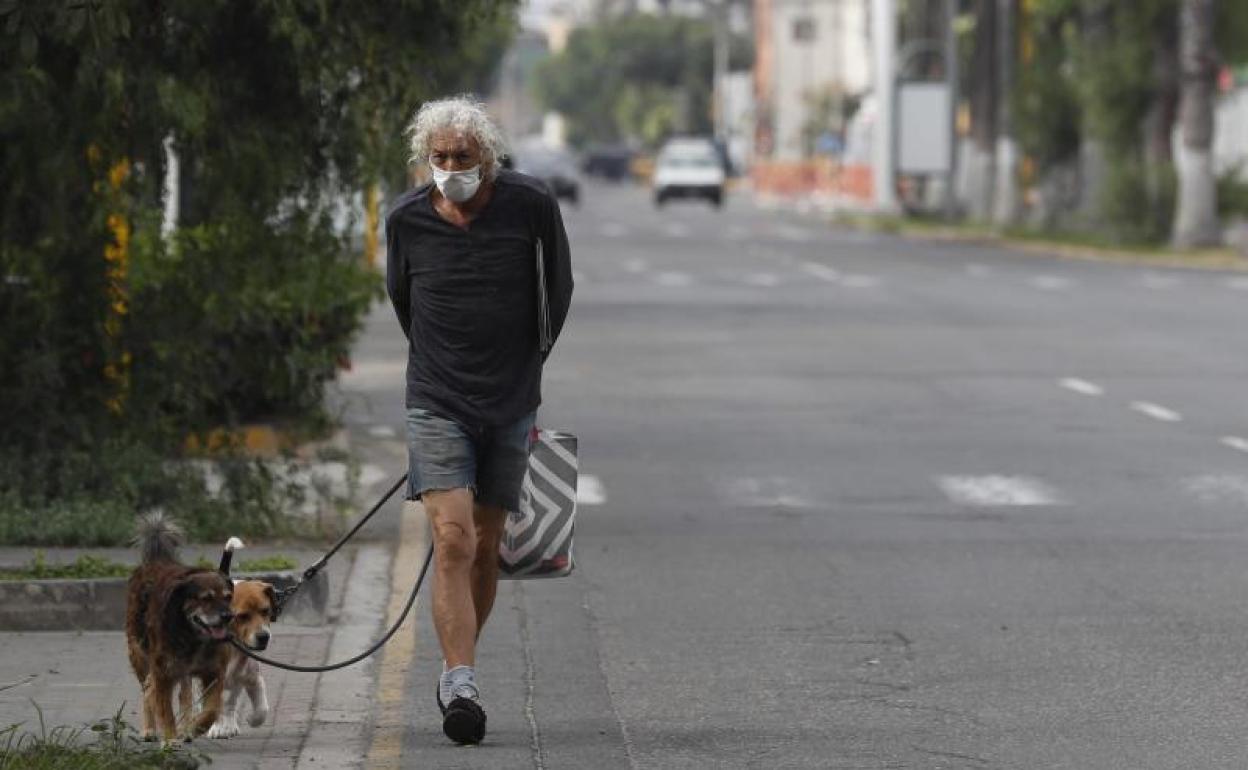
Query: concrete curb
[[100, 604]]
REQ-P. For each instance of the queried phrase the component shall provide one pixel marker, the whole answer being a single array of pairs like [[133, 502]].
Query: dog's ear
[[175, 599], [276, 608]]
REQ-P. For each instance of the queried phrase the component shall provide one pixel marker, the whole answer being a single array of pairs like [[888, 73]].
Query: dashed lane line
[[1235, 442], [1156, 411], [1082, 386]]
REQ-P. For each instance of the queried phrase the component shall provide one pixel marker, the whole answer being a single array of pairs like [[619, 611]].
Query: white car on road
[[689, 168]]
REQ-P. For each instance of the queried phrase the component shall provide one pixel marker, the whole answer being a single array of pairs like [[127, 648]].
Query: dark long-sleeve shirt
[[467, 299]]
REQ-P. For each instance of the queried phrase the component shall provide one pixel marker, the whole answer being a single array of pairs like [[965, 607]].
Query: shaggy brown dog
[[254, 607], [176, 622]]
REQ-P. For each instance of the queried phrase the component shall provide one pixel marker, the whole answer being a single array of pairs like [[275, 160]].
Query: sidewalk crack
[[530, 678]]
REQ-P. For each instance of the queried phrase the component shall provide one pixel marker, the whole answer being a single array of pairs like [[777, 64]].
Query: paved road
[[855, 501]]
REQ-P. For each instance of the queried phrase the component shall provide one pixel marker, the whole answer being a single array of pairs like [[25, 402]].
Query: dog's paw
[[258, 716], [224, 727]]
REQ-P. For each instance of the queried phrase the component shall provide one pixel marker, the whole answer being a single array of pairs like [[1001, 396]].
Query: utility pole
[[884, 162]]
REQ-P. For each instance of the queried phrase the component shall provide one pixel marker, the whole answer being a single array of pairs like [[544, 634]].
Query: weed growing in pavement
[[109, 744]]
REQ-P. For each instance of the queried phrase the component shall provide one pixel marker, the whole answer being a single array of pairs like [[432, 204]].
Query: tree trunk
[[1159, 123], [1096, 20], [1196, 217], [983, 95], [1005, 209]]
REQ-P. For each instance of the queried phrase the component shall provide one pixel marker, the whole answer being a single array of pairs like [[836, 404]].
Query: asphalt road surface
[[856, 501]]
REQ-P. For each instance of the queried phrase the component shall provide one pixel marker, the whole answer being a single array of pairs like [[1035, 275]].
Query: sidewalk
[[76, 678]]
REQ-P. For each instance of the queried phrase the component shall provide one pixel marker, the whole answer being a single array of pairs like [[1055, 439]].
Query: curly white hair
[[464, 114]]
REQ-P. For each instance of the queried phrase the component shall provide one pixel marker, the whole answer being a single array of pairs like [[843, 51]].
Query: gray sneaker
[[463, 719]]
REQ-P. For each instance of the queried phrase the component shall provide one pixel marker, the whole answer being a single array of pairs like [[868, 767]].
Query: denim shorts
[[490, 461]]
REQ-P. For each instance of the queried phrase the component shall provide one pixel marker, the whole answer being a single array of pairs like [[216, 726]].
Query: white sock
[[458, 682]]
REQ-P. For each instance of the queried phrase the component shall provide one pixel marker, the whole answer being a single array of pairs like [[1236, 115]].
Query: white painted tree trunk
[[980, 181], [1196, 216], [1006, 208]]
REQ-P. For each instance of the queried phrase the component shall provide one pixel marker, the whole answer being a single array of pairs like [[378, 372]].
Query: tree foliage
[[1092, 72], [278, 109], [638, 77]]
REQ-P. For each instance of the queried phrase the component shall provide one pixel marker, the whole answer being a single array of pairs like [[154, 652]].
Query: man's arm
[[558, 257], [397, 285]]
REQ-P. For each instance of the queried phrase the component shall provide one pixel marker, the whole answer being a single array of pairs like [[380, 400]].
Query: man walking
[[462, 272]]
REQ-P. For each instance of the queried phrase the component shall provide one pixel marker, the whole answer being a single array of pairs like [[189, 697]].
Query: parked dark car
[[610, 161], [557, 168]]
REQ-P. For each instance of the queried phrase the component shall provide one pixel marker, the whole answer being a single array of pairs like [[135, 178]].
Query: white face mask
[[457, 186]]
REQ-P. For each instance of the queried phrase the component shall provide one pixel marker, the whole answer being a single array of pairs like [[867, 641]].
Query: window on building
[[804, 29]]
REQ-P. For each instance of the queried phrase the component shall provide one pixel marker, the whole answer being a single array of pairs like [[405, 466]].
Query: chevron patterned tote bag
[[537, 540]]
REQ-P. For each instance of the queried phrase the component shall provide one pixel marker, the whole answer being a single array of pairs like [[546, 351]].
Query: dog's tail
[[227, 554], [157, 537]]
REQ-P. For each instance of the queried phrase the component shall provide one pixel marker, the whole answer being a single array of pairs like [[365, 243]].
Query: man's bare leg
[[454, 547], [490, 521]]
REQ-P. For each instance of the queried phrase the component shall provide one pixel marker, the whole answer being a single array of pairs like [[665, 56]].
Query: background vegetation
[[637, 77], [118, 341]]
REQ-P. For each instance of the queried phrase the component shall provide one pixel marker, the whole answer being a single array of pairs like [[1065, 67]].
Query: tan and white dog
[[254, 607]]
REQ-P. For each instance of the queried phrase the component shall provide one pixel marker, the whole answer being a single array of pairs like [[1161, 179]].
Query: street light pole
[[883, 38]]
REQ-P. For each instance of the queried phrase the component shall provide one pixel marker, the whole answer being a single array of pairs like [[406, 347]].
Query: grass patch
[[91, 497], [88, 567], [1061, 242], [110, 744], [276, 563], [84, 567]]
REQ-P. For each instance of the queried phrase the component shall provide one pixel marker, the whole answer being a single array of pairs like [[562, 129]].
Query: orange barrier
[[821, 177]]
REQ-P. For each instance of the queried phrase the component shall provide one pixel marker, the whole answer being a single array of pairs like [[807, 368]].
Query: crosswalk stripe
[[1218, 489], [765, 280], [979, 491]]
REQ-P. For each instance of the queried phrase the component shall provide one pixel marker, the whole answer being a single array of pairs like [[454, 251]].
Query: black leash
[[287, 594]]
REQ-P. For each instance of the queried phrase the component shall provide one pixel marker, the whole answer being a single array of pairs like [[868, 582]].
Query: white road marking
[[636, 266], [736, 232], [676, 230], [1218, 489], [821, 271], [978, 271], [795, 234], [1051, 283], [1083, 386], [860, 281], [1159, 281], [1235, 442], [382, 431], [613, 230], [982, 491], [1156, 411], [768, 492], [1239, 284], [673, 279], [589, 490], [765, 280]]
